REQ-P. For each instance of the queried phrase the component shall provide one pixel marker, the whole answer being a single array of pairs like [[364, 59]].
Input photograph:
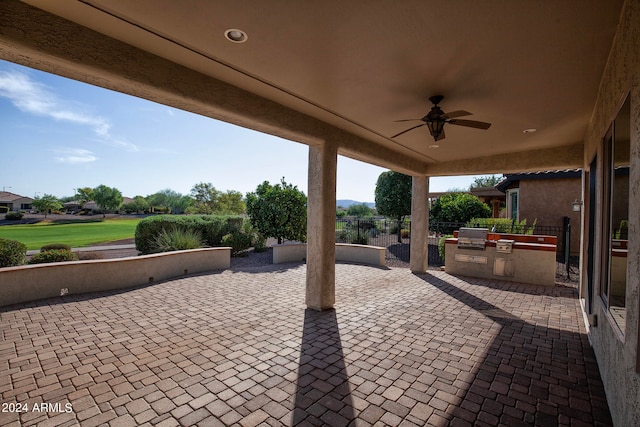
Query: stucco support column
[[419, 256], [321, 226]]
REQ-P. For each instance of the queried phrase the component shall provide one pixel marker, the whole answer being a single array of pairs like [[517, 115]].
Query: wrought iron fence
[[391, 234], [396, 236]]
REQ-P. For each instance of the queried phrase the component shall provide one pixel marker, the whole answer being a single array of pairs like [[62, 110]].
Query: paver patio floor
[[239, 348]]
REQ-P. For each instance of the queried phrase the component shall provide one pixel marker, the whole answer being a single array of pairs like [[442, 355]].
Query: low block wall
[[38, 281], [533, 263], [361, 254]]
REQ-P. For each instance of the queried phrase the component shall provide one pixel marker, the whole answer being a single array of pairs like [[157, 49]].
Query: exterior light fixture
[[577, 206], [236, 36], [435, 127]]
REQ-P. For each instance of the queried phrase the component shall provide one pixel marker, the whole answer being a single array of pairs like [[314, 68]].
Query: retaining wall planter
[[361, 254], [38, 281]]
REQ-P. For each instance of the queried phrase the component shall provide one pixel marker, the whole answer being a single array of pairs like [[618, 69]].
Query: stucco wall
[[38, 281], [618, 355], [548, 201]]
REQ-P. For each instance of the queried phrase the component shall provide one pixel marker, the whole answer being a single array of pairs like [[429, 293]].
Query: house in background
[[15, 202], [492, 197], [545, 197]]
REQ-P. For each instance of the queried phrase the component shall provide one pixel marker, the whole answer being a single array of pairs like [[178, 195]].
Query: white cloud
[[35, 98], [74, 156], [117, 142]]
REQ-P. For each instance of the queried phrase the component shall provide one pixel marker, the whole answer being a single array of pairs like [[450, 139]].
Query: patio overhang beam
[[555, 158]]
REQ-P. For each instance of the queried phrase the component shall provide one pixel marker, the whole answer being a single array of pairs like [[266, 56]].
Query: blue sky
[[57, 134]]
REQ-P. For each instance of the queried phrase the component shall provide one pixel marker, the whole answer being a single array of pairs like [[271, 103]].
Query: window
[[616, 215], [513, 210]]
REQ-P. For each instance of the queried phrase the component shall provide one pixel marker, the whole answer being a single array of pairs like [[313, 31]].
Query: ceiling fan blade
[[406, 120], [470, 123], [405, 131], [457, 113]]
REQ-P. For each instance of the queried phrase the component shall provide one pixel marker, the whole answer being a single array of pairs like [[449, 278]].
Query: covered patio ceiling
[[356, 67]]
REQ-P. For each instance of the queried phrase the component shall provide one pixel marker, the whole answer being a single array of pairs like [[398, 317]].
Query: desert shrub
[[258, 241], [235, 223], [441, 245], [211, 227], [12, 253], [238, 241], [351, 235], [55, 246], [13, 216], [405, 233], [53, 255], [177, 239], [85, 256]]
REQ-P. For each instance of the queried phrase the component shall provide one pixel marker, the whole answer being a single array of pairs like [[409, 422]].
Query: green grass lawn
[[73, 234]]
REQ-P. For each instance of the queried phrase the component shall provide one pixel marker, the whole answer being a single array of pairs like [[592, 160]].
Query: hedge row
[[212, 228]]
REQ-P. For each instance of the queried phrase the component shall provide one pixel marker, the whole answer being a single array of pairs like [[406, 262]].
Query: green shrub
[[13, 216], [260, 243], [238, 241], [55, 246], [351, 235], [211, 227], [12, 253], [503, 225], [442, 245], [405, 233], [53, 255], [458, 207], [177, 239], [86, 256]]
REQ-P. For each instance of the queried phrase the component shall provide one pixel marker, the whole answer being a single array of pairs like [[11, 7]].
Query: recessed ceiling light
[[236, 36], [529, 130], [434, 146]]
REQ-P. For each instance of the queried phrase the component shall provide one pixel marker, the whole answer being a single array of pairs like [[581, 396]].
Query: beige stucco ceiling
[[361, 65]]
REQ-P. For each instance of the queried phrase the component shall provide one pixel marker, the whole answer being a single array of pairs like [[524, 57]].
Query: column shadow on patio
[[531, 374], [323, 394]]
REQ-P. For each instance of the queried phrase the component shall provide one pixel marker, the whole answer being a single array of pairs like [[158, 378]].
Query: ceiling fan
[[436, 118]]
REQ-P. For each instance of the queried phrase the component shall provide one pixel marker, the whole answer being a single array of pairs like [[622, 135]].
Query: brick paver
[[239, 348]]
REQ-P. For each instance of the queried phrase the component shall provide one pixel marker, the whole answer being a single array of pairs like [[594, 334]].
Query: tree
[[169, 200], [205, 197], [208, 200], [138, 204], [83, 195], [360, 211], [46, 203], [393, 196], [278, 211], [485, 181], [232, 203], [107, 198], [458, 207]]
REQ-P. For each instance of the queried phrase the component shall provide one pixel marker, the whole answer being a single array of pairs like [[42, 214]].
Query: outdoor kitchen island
[[475, 252]]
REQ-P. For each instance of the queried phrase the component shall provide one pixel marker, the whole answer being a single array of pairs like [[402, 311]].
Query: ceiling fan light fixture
[[435, 128], [236, 36]]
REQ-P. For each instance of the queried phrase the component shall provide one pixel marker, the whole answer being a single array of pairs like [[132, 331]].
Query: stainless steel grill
[[472, 238]]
